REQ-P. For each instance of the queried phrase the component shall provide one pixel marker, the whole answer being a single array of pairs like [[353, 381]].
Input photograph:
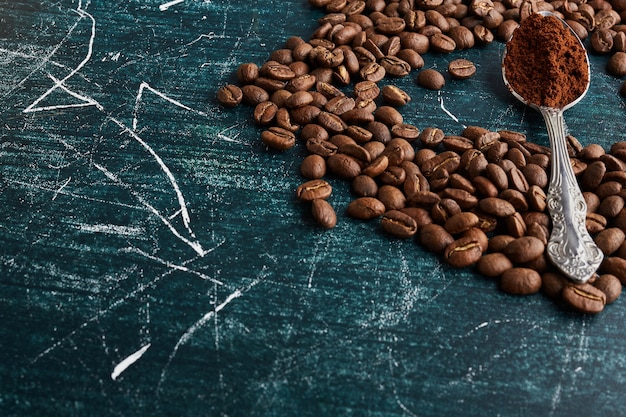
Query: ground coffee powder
[[545, 63]]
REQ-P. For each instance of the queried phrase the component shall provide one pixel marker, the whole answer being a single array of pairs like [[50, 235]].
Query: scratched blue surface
[[154, 260]]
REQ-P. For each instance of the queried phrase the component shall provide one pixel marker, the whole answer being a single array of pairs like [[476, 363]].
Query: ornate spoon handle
[[570, 246]]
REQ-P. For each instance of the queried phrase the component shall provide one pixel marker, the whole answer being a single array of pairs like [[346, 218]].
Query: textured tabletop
[[154, 260]]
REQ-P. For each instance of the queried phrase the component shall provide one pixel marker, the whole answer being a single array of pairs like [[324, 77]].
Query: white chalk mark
[[222, 134], [61, 188], [169, 4], [209, 36], [123, 365], [446, 111], [201, 323], [33, 107], [177, 103], [112, 229], [179, 267], [195, 245]]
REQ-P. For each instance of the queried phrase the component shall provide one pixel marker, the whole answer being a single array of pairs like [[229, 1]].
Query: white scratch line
[[59, 83], [179, 267], [61, 188], [199, 324], [113, 229], [144, 86], [169, 4], [440, 98], [209, 36], [123, 365], [196, 246]]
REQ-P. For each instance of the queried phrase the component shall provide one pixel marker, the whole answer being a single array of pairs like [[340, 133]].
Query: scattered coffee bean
[[461, 69], [323, 213], [431, 79]]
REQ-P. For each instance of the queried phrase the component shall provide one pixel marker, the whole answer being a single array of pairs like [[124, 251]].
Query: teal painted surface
[[139, 218]]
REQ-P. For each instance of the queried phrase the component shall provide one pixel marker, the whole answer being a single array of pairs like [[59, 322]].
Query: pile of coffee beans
[[477, 198]]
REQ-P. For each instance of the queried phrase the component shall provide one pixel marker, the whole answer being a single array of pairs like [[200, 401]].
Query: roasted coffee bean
[[431, 137], [448, 160], [278, 138], [388, 115], [339, 105], [515, 225], [584, 298], [321, 147], [461, 69], [364, 186], [313, 167], [536, 198], [539, 231], [392, 197], [405, 131], [456, 143], [499, 242], [520, 281], [535, 175], [611, 206], [496, 207], [247, 73], [462, 37], [615, 266], [484, 186], [435, 238], [343, 166], [365, 208], [395, 67], [264, 113], [617, 64], [524, 249], [552, 284], [461, 222], [230, 95], [595, 223], [395, 96], [493, 264], [516, 198], [399, 224], [465, 200], [393, 175], [431, 79], [463, 252], [366, 90], [442, 43], [323, 213], [610, 286], [253, 95], [444, 210], [372, 72], [592, 177], [314, 190]]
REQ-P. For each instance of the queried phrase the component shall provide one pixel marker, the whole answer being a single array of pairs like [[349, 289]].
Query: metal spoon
[[570, 246]]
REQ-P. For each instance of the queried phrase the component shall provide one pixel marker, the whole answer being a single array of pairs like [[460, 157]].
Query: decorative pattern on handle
[[570, 246]]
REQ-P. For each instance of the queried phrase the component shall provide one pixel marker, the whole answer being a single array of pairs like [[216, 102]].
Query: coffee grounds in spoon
[[545, 63]]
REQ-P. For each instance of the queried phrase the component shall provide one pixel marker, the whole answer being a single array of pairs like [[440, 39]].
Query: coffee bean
[[442, 43], [388, 115], [323, 213], [392, 197], [461, 69], [431, 79], [365, 208], [343, 166], [278, 138], [552, 284], [247, 73], [395, 96], [364, 186], [459, 222], [230, 95], [493, 264], [399, 224], [610, 286], [496, 207], [617, 64], [264, 113], [520, 281], [524, 249], [615, 266], [314, 190], [313, 167], [253, 95], [434, 237], [584, 298], [463, 252], [367, 90]]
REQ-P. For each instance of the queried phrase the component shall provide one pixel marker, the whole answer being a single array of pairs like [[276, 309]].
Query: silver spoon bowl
[[570, 247]]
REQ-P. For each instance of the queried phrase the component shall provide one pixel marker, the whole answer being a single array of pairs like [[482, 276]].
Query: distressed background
[[154, 260]]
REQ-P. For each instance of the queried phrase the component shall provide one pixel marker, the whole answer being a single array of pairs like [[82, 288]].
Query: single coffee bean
[[372, 72], [395, 67], [496, 207], [247, 73], [584, 298], [278, 138], [479, 236], [498, 242], [392, 197], [313, 167], [323, 213], [515, 225], [364, 186], [343, 166], [321, 147], [463, 252], [520, 281], [388, 115], [552, 284], [516, 198], [435, 238], [314, 190], [405, 131], [431, 79], [399, 224], [611, 206], [461, 69], [610, 286], [366, 90], [617, 64], [493, 264], [229, 96], [595, 223], [615, 266], [524, 249], [395, 96], [442, 43], [253, 95], [365, 208], [460, 222], [264, 113]]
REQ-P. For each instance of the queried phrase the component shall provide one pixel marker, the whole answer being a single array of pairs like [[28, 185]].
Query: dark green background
[[277, 318]]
